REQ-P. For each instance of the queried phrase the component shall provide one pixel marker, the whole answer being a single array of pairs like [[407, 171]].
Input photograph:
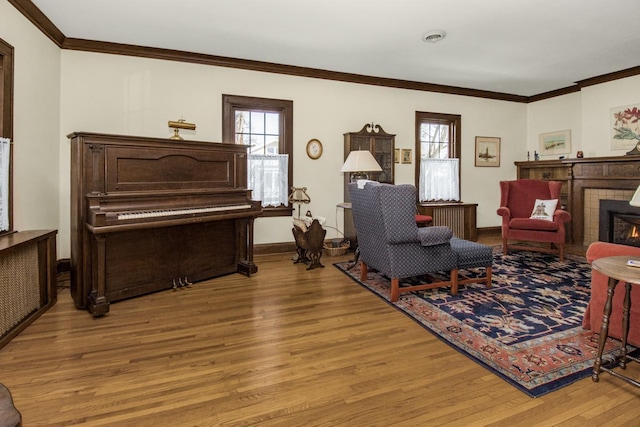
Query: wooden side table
[[617, 270]]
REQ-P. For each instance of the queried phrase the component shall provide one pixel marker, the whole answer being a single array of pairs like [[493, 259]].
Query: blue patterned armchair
[[390, 241]]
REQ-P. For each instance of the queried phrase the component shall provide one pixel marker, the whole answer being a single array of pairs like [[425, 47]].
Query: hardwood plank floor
[[286, 347]]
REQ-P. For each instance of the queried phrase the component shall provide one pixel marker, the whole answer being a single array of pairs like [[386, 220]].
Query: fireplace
[[619, 222]]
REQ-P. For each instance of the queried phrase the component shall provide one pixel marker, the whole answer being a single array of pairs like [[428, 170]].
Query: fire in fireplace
[[619, 222]]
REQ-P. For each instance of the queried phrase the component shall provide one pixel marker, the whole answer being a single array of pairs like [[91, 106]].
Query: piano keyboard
[[187, 211]]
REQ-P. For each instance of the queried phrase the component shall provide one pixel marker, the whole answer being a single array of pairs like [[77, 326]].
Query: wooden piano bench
[[9, 415]]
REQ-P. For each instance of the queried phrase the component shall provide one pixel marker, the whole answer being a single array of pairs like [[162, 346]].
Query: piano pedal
[[187, 283], [175, 286]]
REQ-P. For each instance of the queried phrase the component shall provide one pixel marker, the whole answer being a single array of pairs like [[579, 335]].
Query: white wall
[[137, 96], [597, 102], [551, 115], [36, 125], [586, 114], [58, 92]]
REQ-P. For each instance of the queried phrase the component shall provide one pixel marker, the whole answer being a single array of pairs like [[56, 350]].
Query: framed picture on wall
[[396, 155], [625, 127], [558, 142], [406, 155], [487, 151]]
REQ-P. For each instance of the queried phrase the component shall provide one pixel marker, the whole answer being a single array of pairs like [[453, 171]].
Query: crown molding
[[37, 18], [35, 15], [617, 75], [268, 67], [554, 93]]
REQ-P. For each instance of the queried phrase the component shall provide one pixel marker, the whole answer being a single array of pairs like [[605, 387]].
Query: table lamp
[[299, 195], [635, 200], [358, 163]]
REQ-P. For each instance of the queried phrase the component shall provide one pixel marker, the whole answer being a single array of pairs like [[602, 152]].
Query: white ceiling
[[520, 47]]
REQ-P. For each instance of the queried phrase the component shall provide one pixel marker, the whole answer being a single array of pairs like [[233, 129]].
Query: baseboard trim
[[274, 248], [63, 265], [489, 231]]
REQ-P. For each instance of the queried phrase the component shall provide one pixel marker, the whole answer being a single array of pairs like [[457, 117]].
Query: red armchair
[[517, 199], [599, 286]]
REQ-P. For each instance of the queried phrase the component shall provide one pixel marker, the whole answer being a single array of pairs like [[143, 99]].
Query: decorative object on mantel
[[180, 124], [558, 142], [625, 128], [299, 195], [580, 154], [358, 163], [488, 151]]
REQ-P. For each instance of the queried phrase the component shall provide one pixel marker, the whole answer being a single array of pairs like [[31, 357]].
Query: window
[[438, 153], [266, 125], [6, 133]]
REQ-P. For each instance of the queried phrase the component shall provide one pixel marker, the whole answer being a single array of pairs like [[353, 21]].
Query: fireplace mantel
[[578, 175]]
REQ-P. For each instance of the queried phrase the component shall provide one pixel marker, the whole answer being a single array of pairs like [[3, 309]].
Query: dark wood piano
[[149, 214]]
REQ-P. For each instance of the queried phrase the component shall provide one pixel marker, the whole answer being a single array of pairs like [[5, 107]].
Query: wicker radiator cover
[[19, 286]]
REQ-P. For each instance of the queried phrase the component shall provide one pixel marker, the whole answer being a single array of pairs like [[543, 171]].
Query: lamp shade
[[360, 161], [635, 200]]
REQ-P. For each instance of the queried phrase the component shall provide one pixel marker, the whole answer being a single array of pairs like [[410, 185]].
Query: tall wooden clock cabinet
[[381, 144]]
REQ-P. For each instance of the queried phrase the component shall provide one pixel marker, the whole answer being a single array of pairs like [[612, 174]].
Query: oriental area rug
[[526, 329]]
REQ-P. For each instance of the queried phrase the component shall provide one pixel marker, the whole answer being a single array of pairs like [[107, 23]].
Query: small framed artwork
[[396, 155], [406, 155], [487, 151], [625, 130], [558, 142]]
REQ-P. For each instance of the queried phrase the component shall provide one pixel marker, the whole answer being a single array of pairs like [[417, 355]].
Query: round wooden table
[[617, 270]]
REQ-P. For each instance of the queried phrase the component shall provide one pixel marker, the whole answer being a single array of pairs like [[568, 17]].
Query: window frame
[[6, 113], [454, 121], [231, 103]]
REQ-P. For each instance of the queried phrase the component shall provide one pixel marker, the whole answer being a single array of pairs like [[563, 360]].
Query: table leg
[[625, 324], [604, 329]]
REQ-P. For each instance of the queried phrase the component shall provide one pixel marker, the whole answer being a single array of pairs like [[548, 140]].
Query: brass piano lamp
[[299, 195], [180, 124]]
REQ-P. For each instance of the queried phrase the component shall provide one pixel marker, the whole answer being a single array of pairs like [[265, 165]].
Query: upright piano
[[149, 214]]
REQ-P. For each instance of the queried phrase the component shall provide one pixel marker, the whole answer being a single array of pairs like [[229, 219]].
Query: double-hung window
[[6, 131], [438, 154], [266, 126]]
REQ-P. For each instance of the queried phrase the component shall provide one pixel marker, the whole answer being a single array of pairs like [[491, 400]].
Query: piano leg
[[97, 303], [246, 266]]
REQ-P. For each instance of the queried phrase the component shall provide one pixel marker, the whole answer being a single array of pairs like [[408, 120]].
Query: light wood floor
[[286, 347]]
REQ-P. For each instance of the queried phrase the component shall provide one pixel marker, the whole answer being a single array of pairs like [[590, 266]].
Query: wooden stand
[[615, 267], [309, 244]]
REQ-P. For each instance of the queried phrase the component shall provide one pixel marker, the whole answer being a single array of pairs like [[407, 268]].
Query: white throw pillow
[[544, 209]]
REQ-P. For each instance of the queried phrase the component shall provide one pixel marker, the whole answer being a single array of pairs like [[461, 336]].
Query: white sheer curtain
[[268, 178], [439, 179], [5, 153]]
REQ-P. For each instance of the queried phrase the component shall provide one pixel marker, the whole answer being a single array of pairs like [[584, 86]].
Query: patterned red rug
[[525, 329]]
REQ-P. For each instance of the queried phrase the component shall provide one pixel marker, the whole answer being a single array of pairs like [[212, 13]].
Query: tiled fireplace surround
[[585, 183], [591, 216]]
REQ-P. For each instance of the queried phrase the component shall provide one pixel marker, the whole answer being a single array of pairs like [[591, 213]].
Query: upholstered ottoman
[[472, 254]]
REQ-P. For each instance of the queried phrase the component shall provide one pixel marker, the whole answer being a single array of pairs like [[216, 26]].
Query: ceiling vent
[[433, 36]]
